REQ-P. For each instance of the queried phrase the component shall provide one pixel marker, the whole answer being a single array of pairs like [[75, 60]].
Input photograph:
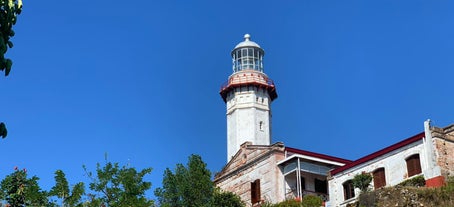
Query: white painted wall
[[395, 171], [248, 118]]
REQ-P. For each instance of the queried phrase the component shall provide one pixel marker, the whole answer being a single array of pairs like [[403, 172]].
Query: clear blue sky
[[139, 80]]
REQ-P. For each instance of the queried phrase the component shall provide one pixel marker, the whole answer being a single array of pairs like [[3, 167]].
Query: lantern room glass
[[247, 58]]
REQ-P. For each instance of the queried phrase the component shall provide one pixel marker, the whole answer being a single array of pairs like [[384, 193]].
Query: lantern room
[[247, 55]]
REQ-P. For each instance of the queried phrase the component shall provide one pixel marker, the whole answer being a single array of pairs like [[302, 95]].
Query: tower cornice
[[248, 78]]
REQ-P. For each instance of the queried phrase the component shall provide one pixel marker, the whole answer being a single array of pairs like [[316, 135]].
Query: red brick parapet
[[435, 182]]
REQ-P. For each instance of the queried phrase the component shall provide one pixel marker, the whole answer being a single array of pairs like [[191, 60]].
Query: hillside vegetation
[[409, 195]]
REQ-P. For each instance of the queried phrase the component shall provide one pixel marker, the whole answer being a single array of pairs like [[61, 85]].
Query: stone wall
[[444, 145], [254, 162]]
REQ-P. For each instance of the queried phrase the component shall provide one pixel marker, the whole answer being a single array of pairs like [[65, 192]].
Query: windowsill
[[414, 176], [350, 200]]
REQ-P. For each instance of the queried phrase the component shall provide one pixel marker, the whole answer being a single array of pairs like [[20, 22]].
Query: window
[[303, 184], [349, 190], [255, 191], [321, 186], [413, 165], [261, 125], [379, 178]]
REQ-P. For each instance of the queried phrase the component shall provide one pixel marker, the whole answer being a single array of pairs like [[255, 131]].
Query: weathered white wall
[[248, 118], [395, 171], [266, 169]]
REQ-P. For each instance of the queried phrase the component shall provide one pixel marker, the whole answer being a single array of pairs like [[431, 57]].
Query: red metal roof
[[248, 78], [317, 155], [379, 153]]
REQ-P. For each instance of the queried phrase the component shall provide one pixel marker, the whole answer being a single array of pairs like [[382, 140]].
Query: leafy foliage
[[9, 9], [409, 195], [362, 181], [191, 186], [286, 203], [61, 190], [19, 191], [307, 201], [226, 199], [119, 186], [3, 131], [311, 201], [417, 181]]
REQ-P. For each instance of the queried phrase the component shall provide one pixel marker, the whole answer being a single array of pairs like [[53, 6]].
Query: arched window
[[349, 190], [413, 165], [379, 178]]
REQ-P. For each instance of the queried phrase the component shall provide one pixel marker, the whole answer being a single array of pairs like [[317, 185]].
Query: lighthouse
[[248, 94]]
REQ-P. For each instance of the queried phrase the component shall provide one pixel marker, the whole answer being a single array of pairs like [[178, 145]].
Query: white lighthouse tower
[[248, 94]]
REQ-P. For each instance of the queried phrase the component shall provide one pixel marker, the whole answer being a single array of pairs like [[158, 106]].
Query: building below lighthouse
[[259, 171]]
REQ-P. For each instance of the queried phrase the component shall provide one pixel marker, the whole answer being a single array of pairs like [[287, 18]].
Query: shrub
[[288, 203], [362, 181], [417, 181], [311, 201], [226, 199], [307, 201]]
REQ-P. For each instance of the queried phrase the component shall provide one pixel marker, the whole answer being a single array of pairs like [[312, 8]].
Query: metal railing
[[247, 78]]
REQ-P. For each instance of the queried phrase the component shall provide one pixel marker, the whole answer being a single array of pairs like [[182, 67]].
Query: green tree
[[3, 131], [362, 181], [189, 186], [19, 191], [61, 191], [9, 9], [119, 186]]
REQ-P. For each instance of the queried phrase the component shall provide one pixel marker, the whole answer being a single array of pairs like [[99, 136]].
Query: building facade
[[429, 154]]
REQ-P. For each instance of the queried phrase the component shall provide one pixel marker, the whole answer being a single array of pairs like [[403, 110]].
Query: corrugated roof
[[379, 153], [317, 155]]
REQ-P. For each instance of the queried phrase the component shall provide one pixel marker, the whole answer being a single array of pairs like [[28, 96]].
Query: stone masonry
[[444, 144], [254, 162]]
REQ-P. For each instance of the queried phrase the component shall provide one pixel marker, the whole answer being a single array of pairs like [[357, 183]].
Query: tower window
[[261, 125]]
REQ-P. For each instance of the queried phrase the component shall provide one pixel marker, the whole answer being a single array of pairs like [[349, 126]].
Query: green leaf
[[188, 185], [3, 131], [8, 65]]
